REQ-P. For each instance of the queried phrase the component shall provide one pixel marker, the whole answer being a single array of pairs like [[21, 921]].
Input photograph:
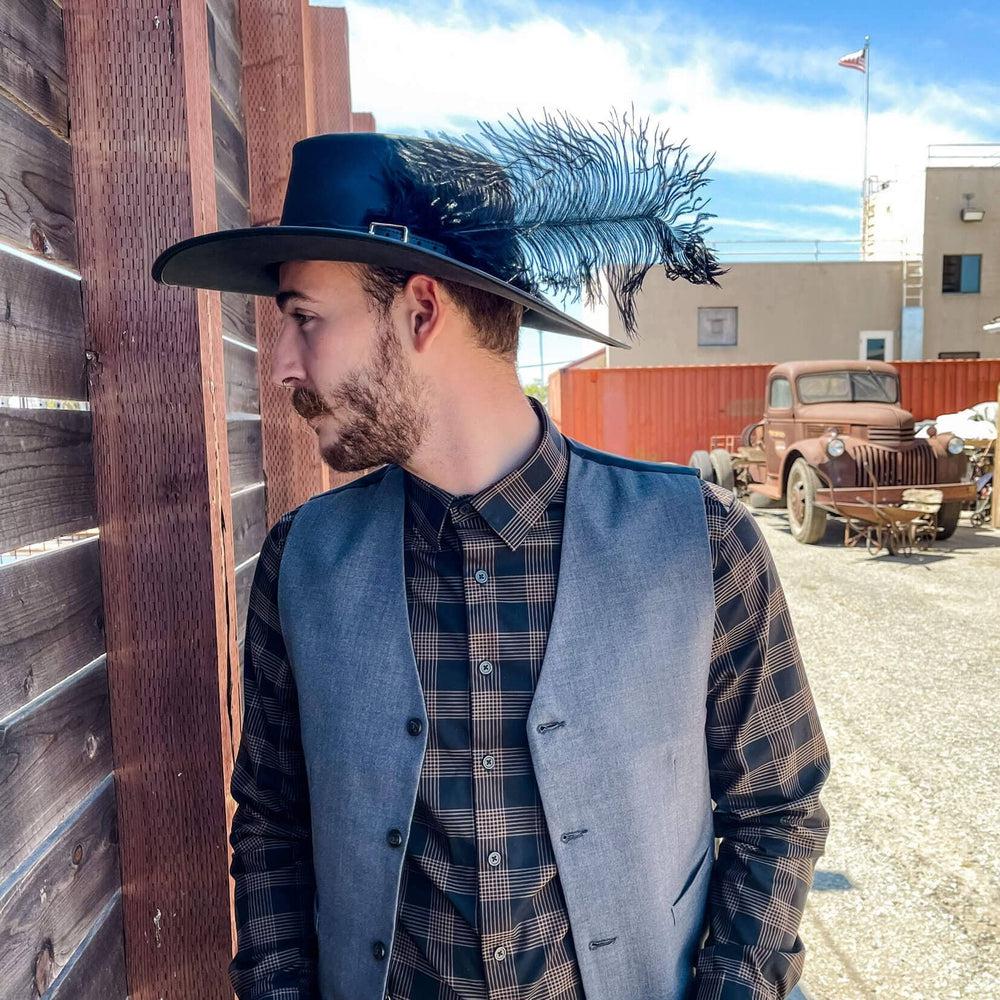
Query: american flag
[[853, 60]]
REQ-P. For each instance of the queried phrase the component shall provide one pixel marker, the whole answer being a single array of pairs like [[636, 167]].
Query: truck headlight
[[835, 447], [956, 446]]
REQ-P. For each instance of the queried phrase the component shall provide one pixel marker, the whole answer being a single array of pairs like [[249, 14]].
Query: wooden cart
[[896, 528]]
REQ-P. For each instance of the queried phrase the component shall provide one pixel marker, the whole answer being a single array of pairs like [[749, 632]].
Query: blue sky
[[756, 83]]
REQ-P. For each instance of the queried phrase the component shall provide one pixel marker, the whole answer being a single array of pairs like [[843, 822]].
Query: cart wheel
[[703, 463], [761, 502], [749, 433], [722, 465], [807, 521], [947, 519], [892, 542], [873, 541]]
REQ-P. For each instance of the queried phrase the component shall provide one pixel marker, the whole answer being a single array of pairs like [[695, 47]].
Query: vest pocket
[[694, 878]]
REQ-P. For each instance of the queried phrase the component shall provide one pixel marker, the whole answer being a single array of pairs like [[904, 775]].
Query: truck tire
[[722, 465], [947, 519], [806, 520], [703, 463]]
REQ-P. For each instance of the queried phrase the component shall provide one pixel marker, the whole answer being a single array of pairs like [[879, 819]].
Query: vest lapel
[[581, 619], [368, 636]]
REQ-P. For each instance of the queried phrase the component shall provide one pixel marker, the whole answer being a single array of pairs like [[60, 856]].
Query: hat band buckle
[[402, 234]]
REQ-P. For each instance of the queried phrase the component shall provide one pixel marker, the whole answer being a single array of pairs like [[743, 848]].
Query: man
[[503, 692]]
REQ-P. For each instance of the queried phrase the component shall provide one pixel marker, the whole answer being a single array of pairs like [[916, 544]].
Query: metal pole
[[868, 70]]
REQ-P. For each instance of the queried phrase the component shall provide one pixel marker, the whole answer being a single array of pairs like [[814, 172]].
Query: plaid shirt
[[481, 912]]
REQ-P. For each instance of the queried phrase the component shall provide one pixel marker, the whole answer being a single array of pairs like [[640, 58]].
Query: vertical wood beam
[[362, 121], [331, 69], [144, 178], [280, 109], [995, 500]]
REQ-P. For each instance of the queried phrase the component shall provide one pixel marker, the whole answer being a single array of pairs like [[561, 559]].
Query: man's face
[[349, 365]]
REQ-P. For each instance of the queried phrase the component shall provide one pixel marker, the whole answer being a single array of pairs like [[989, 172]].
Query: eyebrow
[[282, 297]]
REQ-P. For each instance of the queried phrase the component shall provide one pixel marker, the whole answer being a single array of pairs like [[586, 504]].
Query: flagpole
[[868, 71]]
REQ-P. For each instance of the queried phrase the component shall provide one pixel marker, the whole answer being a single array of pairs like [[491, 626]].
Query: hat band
[[402, 234]]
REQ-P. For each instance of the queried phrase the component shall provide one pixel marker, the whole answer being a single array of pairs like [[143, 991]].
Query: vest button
[[378, 950], [414, 727], [394, 837]]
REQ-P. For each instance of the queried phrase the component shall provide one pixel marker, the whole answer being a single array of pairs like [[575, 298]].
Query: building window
[[958, 355], [780, 397], [961, 272], [717, 327]]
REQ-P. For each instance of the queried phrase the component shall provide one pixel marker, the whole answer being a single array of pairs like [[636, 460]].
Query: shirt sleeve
[[272, 863], [768, 761]]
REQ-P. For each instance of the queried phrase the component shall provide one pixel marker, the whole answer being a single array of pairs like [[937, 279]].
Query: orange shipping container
[[662, 414]]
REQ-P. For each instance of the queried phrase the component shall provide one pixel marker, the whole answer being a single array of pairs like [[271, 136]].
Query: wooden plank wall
[[76, 810], [60, 883], [239, 329]]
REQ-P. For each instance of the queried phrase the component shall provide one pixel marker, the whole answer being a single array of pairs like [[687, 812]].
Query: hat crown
[[352, 180], [337, 180]]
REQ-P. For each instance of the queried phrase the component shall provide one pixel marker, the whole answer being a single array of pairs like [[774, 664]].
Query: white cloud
[[749, 103], [839, 211], [772, 228]]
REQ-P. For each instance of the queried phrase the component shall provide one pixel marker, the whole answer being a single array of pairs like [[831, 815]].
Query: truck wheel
[[703, 463], [807, 521], [722, 465], [947, 519]]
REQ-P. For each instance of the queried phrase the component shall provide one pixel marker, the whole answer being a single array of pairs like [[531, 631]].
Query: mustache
[[308, 404]]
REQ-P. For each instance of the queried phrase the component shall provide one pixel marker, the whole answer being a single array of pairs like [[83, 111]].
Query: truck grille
[[890, 435], [913, 466]]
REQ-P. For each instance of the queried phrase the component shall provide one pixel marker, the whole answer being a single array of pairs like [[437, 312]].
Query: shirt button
[[500, 954], [414, 727], [494, 858], [485, 667], [394, 838], [482, 576], [378, 950], [466, 508], [488, 761]]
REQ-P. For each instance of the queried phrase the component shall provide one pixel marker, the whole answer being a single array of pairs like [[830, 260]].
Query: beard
[[379, 410]]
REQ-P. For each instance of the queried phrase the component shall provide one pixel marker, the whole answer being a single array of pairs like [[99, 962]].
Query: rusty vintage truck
[[834, 436]]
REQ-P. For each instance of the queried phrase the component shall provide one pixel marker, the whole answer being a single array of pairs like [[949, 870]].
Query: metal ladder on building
[[913, 280], [868, 227]]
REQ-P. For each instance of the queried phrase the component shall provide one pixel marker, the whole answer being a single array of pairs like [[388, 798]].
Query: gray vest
[[625, 667]]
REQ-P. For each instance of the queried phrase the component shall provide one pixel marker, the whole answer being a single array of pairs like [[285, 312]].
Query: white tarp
[[977, 422]]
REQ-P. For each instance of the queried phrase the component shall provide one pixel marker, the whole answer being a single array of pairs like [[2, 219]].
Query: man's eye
[[302, 319]]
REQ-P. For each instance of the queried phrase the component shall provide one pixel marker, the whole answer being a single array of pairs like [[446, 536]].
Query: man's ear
[[426, 305]]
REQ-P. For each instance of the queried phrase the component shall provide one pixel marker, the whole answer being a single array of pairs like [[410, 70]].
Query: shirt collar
[[512, 506]]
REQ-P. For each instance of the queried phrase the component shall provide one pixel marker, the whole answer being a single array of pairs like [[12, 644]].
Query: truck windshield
[[848, 387]]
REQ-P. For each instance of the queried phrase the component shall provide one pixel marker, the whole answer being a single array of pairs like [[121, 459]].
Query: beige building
[[927, 304], [961, 260], [766, 312]]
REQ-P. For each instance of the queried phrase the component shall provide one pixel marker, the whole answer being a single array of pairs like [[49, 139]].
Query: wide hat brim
[[244, 260]]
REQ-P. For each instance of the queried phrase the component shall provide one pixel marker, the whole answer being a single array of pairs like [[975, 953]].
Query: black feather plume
[[551, 204]]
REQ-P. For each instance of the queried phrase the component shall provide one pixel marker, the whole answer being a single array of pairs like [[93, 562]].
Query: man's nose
[[286, 366]]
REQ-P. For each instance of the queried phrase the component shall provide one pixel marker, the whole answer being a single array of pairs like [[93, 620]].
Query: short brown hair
[[496, 320]]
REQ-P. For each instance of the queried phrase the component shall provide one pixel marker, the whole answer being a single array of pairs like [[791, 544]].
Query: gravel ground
[[903, 657]]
